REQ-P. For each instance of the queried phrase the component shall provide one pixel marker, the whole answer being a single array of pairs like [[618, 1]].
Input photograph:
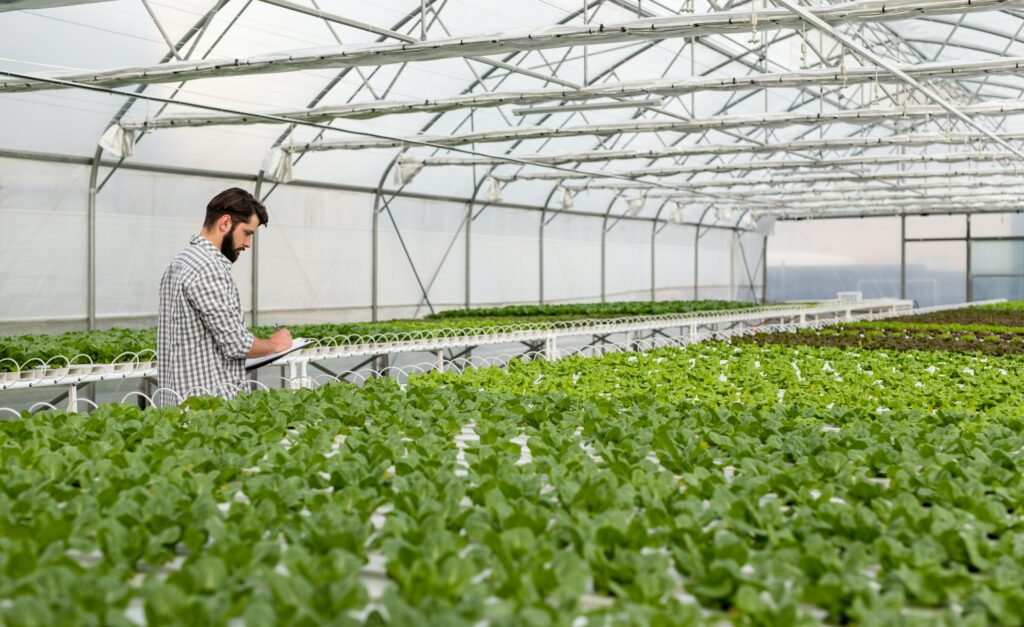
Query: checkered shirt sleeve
[[201, 336]]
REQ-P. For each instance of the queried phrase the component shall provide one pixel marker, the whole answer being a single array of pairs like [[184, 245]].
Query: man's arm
[[279, 341], [215, 297]]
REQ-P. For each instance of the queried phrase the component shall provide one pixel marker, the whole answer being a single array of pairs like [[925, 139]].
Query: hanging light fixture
[[636, 205], [405, 170], [277, 166], [803, 47], [677, 212], [753, 25], [118, 141], [567, 200], [493, 190]]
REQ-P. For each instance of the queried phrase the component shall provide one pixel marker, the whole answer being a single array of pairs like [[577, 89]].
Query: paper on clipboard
[[256, 362]]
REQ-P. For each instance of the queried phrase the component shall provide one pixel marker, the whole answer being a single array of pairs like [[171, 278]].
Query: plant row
[[764, 376], [30, 351], [989, 329], [684, 486], [598, 310], [1009, 314], [1004, 341]]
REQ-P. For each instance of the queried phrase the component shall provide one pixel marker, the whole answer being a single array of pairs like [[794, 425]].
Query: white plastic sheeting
[[142, 221], [629, 261], [315, 255], [42, 225], [572, 258]]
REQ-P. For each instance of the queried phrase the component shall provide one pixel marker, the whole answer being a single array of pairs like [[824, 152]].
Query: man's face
[[239, 237]]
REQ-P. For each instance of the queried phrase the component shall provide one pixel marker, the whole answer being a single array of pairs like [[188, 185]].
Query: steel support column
[[764, 271], [197, 29], [903, 256], [696, 254], [970, 282], [469, 250]]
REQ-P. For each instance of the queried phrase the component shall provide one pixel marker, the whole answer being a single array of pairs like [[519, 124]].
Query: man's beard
[[227, 246]]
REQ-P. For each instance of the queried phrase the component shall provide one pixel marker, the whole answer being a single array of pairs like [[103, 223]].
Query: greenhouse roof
[[766, 108]]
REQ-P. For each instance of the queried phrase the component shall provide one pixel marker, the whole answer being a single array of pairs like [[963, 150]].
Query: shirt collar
[[207, 246]]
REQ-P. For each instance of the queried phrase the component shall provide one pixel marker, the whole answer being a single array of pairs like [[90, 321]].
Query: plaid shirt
[[201, 336]]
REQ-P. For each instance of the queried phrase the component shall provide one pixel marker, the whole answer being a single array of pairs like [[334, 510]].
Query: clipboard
[[257, 362]]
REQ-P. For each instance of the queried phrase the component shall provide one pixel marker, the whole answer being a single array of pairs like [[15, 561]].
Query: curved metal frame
[[94, 186]]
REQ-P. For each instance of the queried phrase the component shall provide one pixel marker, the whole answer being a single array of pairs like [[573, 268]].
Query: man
[[202, 342]]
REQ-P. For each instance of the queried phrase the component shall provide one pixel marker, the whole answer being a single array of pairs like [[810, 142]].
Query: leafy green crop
[[991, 330], [905, 337], [762, 377], [118, 344], [671, 488], [1010, 314], [587, 310]]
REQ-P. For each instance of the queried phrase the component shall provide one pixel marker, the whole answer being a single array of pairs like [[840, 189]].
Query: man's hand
[[281, 340]]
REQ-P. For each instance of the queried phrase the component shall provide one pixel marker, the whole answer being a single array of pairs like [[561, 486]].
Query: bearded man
[[202, 341]]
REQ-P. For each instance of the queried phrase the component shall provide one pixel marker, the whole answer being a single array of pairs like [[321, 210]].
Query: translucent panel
[[315, 256], [674, 269], [142, 221], [43, 252], [936, 273], [997, 225], [629, 261], [936, 226], [997, 258], [572, 259], [1008, 287], [816, 259], [505, 257], [428, 250], [748, 264], [716, 272]]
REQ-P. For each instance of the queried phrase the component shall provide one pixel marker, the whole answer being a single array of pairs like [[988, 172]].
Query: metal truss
[[847, 118], [723, 23], [957, 70]]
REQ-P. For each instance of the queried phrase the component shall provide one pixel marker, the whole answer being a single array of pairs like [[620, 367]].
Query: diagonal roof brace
[[724, 23], [670, 87], [826, 28]]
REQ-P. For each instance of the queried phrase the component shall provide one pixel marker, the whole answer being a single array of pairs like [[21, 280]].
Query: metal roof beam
[[802, 179], [848, 116], [673, 87], [839, 143], [497, 43], [778, 164]]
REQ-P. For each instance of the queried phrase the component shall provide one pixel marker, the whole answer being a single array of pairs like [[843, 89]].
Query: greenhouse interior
[[539, 312]]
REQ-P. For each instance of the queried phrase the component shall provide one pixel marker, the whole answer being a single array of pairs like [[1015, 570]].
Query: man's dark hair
[[237, 203]]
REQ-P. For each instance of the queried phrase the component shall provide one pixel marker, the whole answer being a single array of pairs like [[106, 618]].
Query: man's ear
[[224, 223]]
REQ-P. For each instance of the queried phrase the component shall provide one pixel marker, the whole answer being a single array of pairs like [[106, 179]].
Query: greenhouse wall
[[315, 259], [816, 259]]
